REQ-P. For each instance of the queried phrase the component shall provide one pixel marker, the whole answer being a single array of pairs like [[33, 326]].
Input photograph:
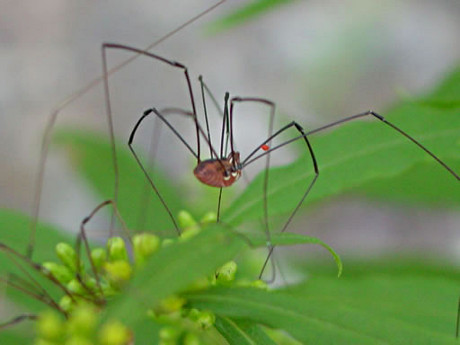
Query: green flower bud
[[144, 246], [193, 314], [191, 232], [67, 255], [186, 221], [60, 272], [66, 303], [226, 273], [191, 339], [108, 290], [99, 257], [49, 326], [171, 304], [74, 286], [208, 218], [117, 249], [114, 333], [83, 320], [259, 284], [118, 272], [169, 334], [206, 319]]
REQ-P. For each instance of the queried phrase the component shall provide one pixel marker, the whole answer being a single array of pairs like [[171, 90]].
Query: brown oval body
[[216, 173]]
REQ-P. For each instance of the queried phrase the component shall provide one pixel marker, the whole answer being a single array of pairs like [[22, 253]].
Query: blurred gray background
[[318, 60]]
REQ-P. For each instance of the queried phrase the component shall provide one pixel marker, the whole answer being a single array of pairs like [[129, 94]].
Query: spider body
[[219, 172]]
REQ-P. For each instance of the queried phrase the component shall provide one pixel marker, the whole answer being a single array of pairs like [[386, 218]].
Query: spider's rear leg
[[18, 319], [311, 153]]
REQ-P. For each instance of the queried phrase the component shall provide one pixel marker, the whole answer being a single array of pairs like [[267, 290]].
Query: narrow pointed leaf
[[173, 269], [237, 335]]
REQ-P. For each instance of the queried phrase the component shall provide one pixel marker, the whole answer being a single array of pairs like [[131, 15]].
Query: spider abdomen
[[216, 173]]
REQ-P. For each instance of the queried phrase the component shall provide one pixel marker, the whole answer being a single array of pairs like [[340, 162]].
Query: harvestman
[[222, 169]]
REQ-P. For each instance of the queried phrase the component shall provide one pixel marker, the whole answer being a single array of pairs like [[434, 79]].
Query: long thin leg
[[69, 100], [248, 161], [17, 320], [38, 268], [82, 237], [204, 88], [173, 64], [149, 179], [34, 294], [307, 191], [272, 107], [146, 194]]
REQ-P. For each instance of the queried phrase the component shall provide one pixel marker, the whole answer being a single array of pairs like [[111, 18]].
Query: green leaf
[[289, 239], [14, 232], [248, 334], [448, 93], [359, 154], [245, 13], [173, 269], [90, 154], [376, 310]]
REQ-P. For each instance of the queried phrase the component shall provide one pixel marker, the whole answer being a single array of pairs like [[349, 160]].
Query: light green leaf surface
[[370, 310], [14, 232], [242, 333], [173, 269], [290, 239], [90, 154], [363, 154]]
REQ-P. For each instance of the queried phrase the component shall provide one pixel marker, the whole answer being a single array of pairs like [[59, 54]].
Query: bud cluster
[[88, 285]]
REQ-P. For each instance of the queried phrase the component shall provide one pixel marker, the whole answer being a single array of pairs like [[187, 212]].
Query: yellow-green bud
[[83, 320], [114, 333], [206, 319], [169, 334], [108, 290], [117, 249], [191, 339], [210, 217], [259, 284], [49, 326], [171, 304], [144, 246], [191, 232], [60, 272], [186, 221], [74, 286], [67, 255], [226, 273], [99, 257], [66, 303], [118, 271]]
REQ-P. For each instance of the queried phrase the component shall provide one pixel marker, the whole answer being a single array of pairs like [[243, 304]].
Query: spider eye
[[227, 177]]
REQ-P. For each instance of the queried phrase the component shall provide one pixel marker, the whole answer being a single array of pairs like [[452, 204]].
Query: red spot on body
[[265, 147]]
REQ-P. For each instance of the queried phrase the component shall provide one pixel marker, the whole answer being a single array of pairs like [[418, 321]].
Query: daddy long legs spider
[[223, 168], [219, 160]]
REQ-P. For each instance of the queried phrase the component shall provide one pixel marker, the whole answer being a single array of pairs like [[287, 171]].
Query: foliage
[[372, 306]]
